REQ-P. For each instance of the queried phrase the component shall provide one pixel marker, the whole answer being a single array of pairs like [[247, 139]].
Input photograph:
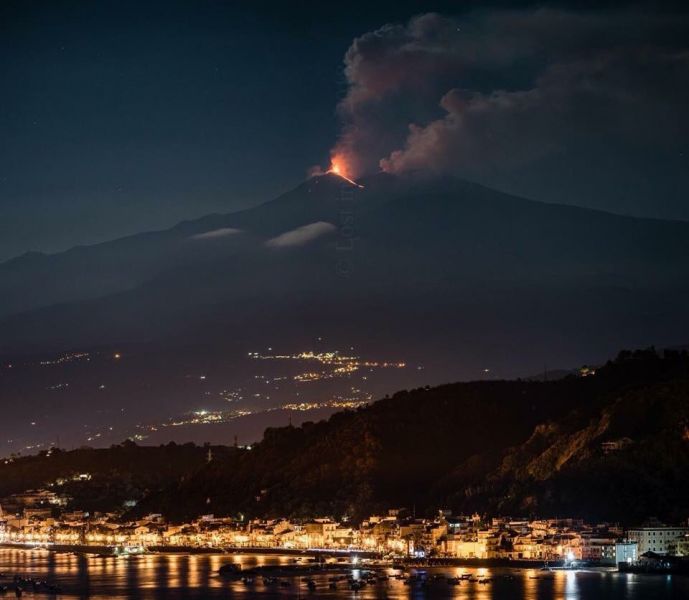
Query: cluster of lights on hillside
[[337, 365], [286, 381], [332, 364]]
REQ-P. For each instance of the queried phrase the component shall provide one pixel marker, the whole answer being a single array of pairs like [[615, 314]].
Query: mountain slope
[[631, 458], [490, 233], [113, 475], [463, 257]]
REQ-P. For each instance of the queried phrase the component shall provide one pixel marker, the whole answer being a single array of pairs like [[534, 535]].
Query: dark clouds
[[492, 96]]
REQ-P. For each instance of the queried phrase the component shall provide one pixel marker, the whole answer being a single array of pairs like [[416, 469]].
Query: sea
[[195, 576]]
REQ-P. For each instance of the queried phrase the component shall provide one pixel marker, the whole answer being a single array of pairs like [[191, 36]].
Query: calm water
[[178, 577]]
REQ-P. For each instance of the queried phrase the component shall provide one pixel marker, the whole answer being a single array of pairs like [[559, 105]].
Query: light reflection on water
[[194, 577]]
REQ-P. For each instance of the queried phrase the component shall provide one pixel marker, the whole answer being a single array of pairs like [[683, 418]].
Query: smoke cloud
[[494, 93]]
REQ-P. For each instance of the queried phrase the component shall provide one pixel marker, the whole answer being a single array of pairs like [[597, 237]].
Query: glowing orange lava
[[338, 167]]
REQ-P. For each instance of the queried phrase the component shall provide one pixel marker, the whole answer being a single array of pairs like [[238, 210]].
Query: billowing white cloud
[[216, 233], [301, 235]]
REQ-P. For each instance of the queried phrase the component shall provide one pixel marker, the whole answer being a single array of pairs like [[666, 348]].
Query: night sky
[[119, 117]]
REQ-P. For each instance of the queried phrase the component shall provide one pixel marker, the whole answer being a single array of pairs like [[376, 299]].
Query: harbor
[[172, 576]]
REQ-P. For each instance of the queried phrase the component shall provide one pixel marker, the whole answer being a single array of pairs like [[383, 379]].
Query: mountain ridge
[[192, 223], [443, 274]]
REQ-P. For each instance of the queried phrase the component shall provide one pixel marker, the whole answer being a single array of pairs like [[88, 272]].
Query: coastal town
[[38, 518]]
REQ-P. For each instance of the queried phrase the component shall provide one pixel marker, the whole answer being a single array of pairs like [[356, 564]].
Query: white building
[[656, 539], [626, 552]]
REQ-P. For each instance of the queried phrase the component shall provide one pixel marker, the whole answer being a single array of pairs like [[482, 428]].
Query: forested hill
[[613, 445], [116, 474]]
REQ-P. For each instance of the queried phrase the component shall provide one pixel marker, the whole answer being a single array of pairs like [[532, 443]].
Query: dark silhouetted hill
[[116, 474]]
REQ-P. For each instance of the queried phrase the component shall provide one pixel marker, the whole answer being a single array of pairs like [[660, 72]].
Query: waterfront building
[[658, 539], [680, 546], [599, 546], [319, 532], [626, 552], [464, 546]]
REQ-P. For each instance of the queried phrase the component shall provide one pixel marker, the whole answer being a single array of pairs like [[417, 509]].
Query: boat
[[127, 551]]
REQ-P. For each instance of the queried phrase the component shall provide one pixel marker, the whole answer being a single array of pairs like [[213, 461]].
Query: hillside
[[122, 472], [630, 459], [511, 447]]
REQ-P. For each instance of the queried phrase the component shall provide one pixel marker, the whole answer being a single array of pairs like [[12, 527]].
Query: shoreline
[[229, 550], [406, 563]]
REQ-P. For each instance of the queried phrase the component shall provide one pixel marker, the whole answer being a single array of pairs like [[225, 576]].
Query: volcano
[[461, 277]]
